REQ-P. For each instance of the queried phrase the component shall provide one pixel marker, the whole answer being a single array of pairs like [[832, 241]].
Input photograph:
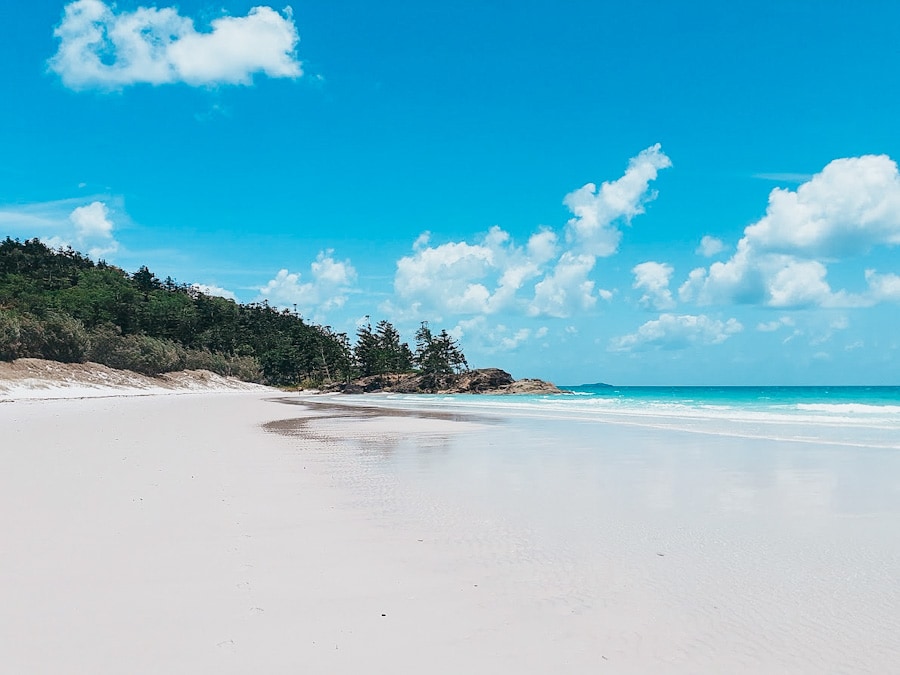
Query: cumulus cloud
[[212, 289], [542, 277], [88, 227], [92, 221], [598, 211], [100, 47], [94, 229], [479, 278], [772, 279], [653, 279], [331, 281], [672, 331], [566, 288], [883, 287], [852, 206], [710, 246]]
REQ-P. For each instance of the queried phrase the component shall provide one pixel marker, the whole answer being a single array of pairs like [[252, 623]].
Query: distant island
[[59, 305]]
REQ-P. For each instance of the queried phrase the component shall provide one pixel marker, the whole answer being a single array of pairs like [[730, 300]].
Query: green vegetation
[[437, 356], [60, 305], [380, 351]]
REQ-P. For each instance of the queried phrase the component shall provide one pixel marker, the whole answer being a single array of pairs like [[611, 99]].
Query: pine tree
[[392, 356], [437, 357], [365, 353]]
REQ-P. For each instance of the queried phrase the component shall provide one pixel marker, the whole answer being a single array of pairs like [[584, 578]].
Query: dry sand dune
[[37, 378]]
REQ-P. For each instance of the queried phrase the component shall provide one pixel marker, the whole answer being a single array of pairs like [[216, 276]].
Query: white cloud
[[772, 326], [492, 339], [94, 229], [331, 281], [566, 288], [772, 279], [883, 287], [710, 246], [102, 48], [450, 276], [653, 278], [672, 331], [86, 227], [597, 211], [511, 342], [798, 283], [494, 274], [211, 289], [479, 278], [92, 221], [852, 206]]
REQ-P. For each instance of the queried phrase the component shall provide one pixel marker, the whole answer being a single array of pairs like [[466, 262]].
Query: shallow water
[[853, 416], [734, 537]]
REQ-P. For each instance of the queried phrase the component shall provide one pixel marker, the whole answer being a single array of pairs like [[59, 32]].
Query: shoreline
[[184, 534]]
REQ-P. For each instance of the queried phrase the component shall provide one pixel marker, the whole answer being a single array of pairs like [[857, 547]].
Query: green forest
[[60, 305]]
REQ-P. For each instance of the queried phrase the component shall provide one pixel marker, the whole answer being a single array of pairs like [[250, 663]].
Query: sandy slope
[[37, 378]]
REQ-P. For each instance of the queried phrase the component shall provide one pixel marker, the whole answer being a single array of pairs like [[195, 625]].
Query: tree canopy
[[61, 305]]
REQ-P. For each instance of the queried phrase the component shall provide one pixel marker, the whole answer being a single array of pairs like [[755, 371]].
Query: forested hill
[[60, 305]]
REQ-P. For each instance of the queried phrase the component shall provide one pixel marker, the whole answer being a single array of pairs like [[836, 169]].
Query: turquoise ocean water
[[856, 415]]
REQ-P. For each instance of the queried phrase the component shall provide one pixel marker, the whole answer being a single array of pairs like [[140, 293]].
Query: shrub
[[59, 337], [244, 368], [10, 336], [31, 333], [140, 353]]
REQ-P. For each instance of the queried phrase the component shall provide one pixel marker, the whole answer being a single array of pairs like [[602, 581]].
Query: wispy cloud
[[784, 177]]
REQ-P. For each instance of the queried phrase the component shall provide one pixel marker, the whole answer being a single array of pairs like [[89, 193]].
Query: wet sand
[[232, 533]]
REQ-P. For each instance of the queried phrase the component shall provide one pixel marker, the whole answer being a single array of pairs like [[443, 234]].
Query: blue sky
[[637, 193]]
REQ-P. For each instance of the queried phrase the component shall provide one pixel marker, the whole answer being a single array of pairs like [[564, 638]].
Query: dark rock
[[480, 381]]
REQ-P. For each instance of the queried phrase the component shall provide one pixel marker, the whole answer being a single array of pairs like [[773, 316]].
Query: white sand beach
[[235, 533]]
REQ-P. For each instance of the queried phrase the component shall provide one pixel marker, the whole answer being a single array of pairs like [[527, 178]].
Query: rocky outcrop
[[480, 381], [531, 386]]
